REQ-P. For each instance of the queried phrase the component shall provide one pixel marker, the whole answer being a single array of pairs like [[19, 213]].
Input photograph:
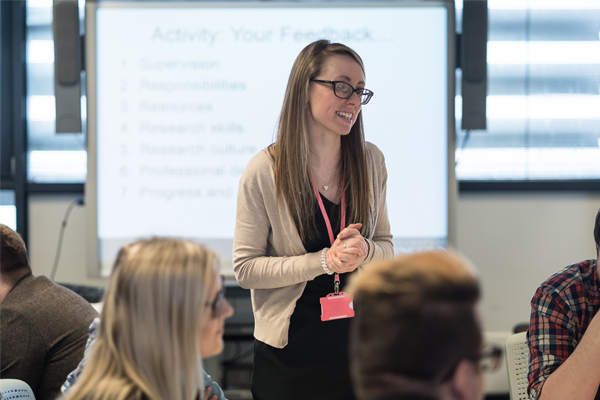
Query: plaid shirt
[[561, 310]]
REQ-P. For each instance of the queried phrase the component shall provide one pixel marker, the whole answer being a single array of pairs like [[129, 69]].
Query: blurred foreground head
[[416, 333]]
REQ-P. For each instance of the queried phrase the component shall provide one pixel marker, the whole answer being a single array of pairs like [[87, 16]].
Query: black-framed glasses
[[344, 90], [216, 303], [488, 360]]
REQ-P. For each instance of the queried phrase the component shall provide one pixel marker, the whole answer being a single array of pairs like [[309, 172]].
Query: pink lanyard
[[324, 212], [336, 279]]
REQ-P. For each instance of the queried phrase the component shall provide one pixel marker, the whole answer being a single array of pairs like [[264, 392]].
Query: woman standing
[[163, 312], [311, 210]]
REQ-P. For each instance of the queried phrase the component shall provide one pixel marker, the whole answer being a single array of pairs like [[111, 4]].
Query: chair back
[[517, 365], [15, 389]]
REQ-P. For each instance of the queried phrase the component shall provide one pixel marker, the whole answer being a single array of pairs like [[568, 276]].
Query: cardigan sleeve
[[380, 245], [267, 250]]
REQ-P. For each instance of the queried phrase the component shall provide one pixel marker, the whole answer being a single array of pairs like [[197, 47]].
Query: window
[[53, 158], [543, 105], [8, 211], [543, 102]]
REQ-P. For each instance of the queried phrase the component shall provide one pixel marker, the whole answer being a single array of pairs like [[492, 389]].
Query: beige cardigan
[[268, 255]]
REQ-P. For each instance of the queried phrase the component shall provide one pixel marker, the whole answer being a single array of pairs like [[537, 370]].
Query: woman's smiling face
[[328, 114]]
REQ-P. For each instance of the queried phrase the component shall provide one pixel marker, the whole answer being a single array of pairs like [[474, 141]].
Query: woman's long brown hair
[[291, 150]]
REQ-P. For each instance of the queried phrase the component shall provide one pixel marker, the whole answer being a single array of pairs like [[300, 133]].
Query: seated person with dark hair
[[416, 334], [564, 333], [43, 325]]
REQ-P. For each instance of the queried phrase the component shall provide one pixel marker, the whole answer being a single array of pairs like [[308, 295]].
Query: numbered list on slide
[[173, 136]]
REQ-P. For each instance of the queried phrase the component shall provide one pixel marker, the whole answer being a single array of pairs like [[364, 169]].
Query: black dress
[[314, 365]]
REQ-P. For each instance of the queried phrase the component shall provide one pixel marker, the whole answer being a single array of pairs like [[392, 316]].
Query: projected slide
[[187, 94]]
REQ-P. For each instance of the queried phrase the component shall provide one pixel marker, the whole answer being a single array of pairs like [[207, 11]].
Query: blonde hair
[[148, 339], [291, 149]]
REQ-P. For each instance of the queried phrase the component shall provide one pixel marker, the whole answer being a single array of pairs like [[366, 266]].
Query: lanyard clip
[[336, 284]]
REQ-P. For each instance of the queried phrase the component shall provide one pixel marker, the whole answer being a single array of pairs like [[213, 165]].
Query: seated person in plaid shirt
[[564, 333]]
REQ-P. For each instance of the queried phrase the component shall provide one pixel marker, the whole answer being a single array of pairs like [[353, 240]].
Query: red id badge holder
[[337, 305]]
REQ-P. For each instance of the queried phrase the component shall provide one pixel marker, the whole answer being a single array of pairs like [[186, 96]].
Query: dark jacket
[[43, 331]]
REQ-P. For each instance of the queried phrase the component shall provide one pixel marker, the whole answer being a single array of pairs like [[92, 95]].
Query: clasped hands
[[348, 251]]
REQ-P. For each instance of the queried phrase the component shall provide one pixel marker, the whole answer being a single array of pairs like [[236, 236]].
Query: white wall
[[46, 213], [519, 240]]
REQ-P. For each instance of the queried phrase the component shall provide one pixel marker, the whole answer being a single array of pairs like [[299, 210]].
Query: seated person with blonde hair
[[163, 312], [416, 334]]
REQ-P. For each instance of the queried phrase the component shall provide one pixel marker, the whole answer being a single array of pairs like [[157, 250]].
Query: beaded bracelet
[[324, 262]]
